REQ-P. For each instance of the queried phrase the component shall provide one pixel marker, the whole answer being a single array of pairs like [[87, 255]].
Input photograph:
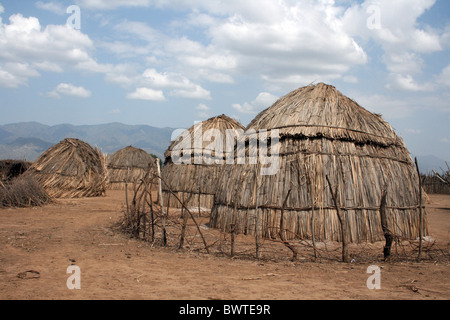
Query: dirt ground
[[37, 245]]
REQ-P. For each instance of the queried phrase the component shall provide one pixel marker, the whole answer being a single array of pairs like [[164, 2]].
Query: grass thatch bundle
[[70, 169], [322, 134], [10, 169], [129, 165], [195, 182], [22, 192]]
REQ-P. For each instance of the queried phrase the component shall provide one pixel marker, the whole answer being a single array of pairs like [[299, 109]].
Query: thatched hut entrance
[[195, 182], [70, 169], [322, 134]]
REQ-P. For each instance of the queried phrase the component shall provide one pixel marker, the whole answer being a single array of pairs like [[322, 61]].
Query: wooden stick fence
[[147, 219]]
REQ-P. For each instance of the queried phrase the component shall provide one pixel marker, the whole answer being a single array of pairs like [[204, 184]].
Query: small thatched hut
[[10, 169], [203, 147], [129, 165], [70, 169], [322, 133]]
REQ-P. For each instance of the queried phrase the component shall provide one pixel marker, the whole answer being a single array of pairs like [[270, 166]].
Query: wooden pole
[[313, 199], [161, 204], [183, 227], [232, 231], [384, 226], [282, 229], [152, 217], [335, 196], [256, 215], [190, 213], [420, 211]]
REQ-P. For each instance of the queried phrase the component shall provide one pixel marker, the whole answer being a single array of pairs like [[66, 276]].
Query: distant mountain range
[[27, 141], [429, 163]]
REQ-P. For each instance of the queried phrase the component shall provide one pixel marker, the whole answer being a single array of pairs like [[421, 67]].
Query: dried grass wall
[[334, 137], [195, 183], [127, 166]]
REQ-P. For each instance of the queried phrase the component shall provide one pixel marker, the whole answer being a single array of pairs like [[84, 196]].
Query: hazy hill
[[29, 139], [429, 163]]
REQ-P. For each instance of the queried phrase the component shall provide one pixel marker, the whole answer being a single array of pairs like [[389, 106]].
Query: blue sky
[[171, 63]]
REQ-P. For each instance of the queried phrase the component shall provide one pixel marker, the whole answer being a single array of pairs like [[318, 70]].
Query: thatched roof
[[196, 182], [322, 111], [129, 165], [70, 169], [221, 123], [322, 133]]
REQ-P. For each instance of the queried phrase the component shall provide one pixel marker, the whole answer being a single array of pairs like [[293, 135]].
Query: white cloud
[[262, 101], [123, 49], [276, 40], [195, 92], [444, 77], [52, 6], [299, 40], [2, 9], [25, 42], [179, 85], [403, 39], [15, 74], [112, 4], [147, 94], [407, 83], [69, 90], [203, 110]]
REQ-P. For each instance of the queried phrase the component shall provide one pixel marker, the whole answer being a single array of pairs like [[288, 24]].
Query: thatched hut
[[70, 169], [128, 166], [10, 169], [322, 133], [195, 179]]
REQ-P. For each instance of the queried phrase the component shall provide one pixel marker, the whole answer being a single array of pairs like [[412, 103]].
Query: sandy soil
[[37, 245]]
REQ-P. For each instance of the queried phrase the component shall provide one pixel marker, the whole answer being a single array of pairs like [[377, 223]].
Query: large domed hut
[[200, 156], [128, 166], [322, 136], [70, 169]]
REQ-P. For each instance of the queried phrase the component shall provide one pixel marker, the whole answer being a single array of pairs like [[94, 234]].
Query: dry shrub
[[22, 192]]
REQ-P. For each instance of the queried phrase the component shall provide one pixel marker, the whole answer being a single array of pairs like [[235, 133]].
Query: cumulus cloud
[[68, 89], [402, 38], [179, 85], [23, 41], [407, 83], [262, 101], [280, 41], [147, 94], [15, 74]]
